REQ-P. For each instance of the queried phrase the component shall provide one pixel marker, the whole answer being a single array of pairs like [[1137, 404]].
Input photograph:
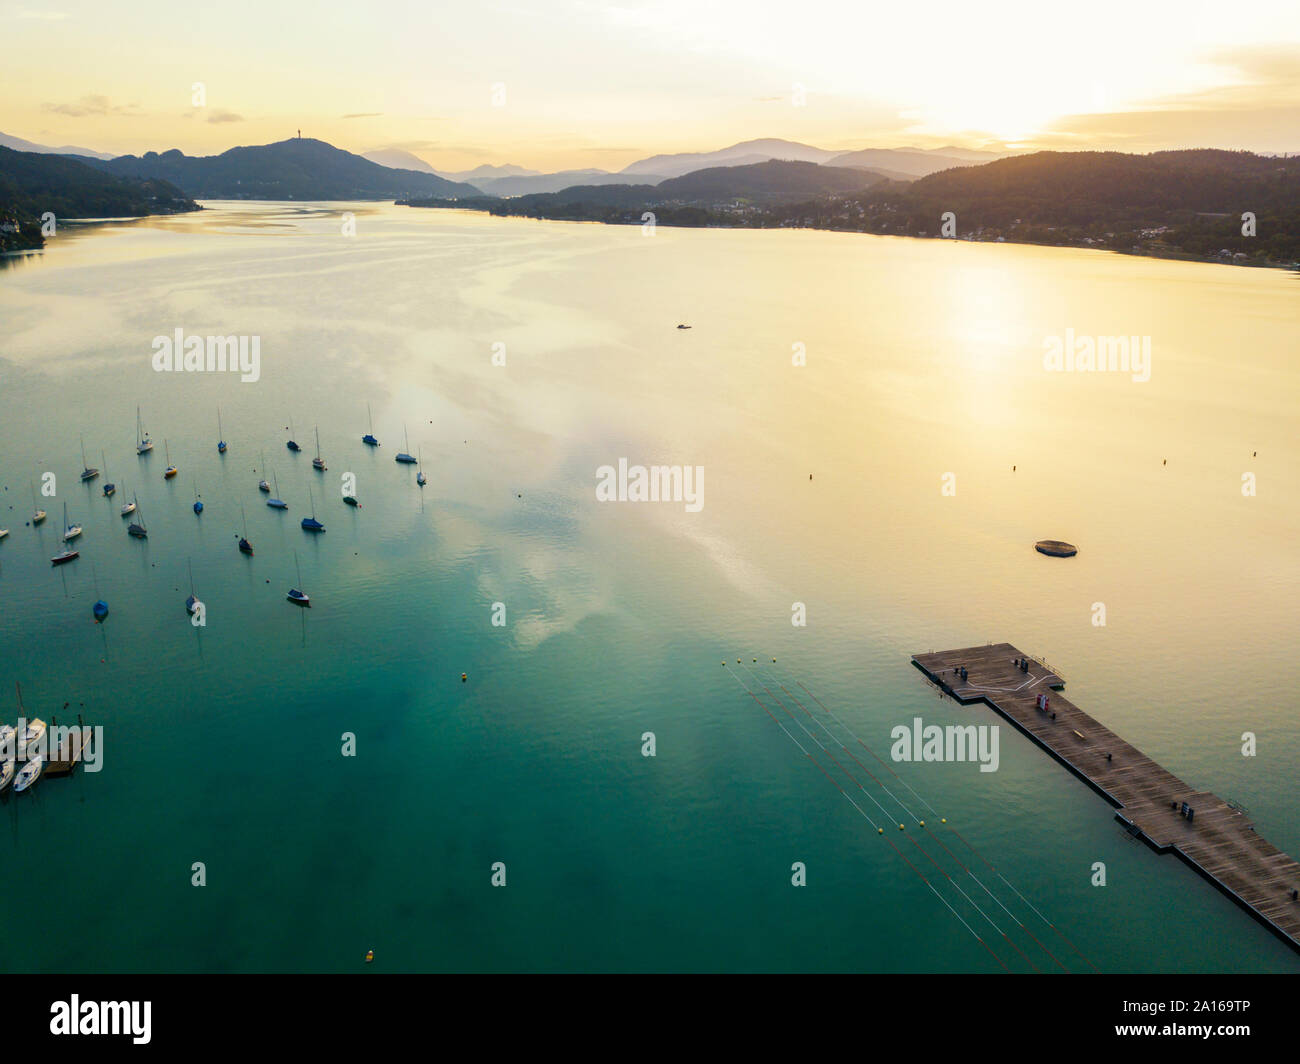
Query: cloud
[[91, 105], [365, 114], [220, 116]]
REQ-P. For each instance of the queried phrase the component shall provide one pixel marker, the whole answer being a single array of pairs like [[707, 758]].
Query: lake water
[[823, 485]]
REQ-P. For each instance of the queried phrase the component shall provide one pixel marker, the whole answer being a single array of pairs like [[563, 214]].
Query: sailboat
[[310, 524], [318, 462], [420, 478], [142, 442], [262, 485], [198, 503], [297, 596], [70, 531], [402, 456], [244, 546], [109, 486], [128, 508], [275, 502], [191, 603], [100, 608], [65, 556], [28, 774], [38, 515], [369, 437], [221, 443], [136, 528], [87, 473], [292, 444], [3, 532], [170, 471]]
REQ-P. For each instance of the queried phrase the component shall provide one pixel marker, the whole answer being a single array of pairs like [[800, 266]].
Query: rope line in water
[[967, 844], [867, 818]]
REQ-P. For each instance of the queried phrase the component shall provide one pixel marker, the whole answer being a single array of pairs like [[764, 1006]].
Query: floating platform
[[1218, 840], [1057, 548]]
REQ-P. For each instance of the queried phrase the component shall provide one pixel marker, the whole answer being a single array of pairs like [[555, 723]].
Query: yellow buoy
[[900, 827], [922, 823], [880, 831], [370, 955], [943, 820]]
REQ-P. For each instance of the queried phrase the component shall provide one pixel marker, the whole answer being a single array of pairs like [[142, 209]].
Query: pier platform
[[1218, 840]]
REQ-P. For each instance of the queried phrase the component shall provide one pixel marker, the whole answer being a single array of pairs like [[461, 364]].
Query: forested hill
[[299, 169], [33, 183]]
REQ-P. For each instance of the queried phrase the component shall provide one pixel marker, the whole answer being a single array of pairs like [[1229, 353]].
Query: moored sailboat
[[318, 462], [369, 437], [87, 472], [402, 456], [143, 445]]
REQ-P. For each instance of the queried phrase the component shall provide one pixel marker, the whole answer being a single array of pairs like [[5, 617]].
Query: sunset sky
[[590, 84]]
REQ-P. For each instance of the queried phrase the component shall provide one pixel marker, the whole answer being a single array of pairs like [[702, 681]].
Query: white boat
[[70, 531], [128, 508], [318, 462], [38, 515], [6, 772], [170, 471], [3, 532], [34, 730], [420, 478], [262, 485], [142, 442], [28, 774]]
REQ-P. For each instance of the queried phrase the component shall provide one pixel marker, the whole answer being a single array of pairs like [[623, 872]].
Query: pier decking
[[1218, 840]]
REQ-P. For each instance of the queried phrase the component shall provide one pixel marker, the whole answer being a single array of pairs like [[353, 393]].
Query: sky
[[576, 84]]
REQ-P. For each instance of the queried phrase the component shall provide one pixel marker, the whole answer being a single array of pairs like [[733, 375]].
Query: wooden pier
[[1217, 840]]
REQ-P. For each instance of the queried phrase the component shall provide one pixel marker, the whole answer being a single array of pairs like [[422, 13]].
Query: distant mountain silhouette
[[300, 169], [18, 144], [744, 153], [33, 183]]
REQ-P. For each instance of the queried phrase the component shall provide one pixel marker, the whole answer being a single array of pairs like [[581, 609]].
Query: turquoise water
[[223, 744]]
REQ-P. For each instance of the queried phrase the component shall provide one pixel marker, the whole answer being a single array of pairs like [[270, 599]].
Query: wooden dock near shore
[[1218, 840]]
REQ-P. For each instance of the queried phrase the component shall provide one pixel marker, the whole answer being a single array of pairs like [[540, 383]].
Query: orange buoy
[[463, 677]]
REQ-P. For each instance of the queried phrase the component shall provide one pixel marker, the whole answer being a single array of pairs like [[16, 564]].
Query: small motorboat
[[351, 500], [28, 774], [299, 598], [64, 557], [38, 517]]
